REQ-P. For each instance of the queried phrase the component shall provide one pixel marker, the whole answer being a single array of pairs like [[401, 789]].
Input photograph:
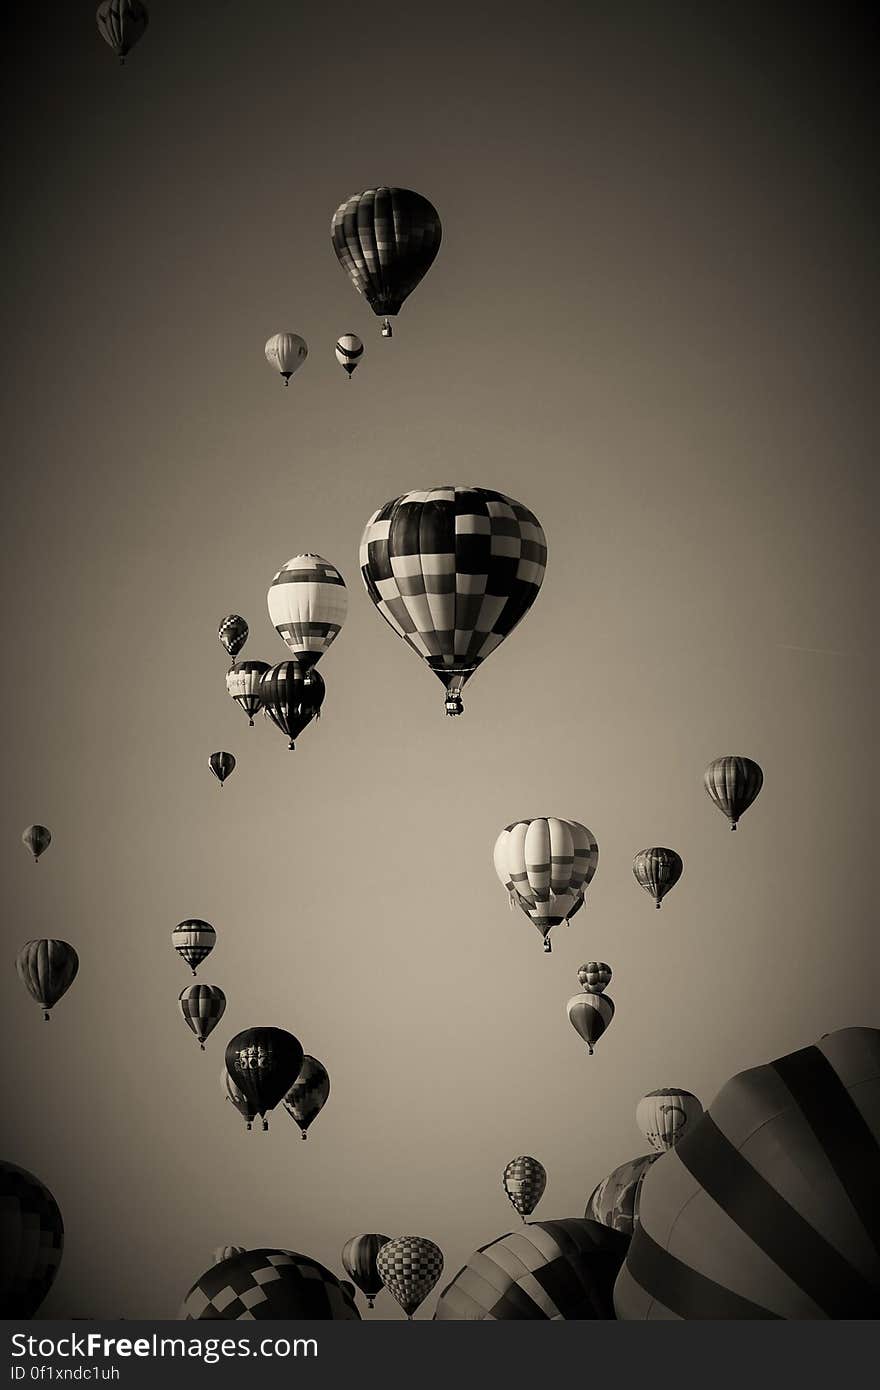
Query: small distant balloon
[[47, 968], [309, 1093], [733, 782], [233, 633], [243, 685], [286, 352], [121, 24], [349, 351], [590, 1015], [664, 1116], [202, 1007], [657, 870], [193, 940], [595, 976], [524, 1181], [37, 838], [221, 764]]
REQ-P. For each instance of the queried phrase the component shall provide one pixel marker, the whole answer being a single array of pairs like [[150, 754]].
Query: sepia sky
[[652, 322]]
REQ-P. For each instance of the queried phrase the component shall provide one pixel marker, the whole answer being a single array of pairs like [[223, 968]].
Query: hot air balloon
[[193, 940], [657, 870], [202, 1007], [221, 764], [359, 1261], [121, 23], [233, 633], [37, 838], [665, 1116], [237, 1097], [590, 1015], [524, 1181], [286, 352], [243, 684], [733, 783], [546, 865], [551, 1271], [292, 696], [307, 602], [349, 351], [452, 571], [268, 1284], [767, 1208], [47, 968], [595, 976], [614, 1201], [386, 240], [227, 1252], [308, 1094], [409, 1267], [31, 1241], [264, 1063], [348, 1289]]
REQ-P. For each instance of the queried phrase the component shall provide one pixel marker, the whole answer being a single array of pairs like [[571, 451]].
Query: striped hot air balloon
[[349, 351], [121, 23], [286, 352], [386, 240], [665, 1116], [202, 1007], [47, 968], [243, 685], [193, 940], [590, 1015], [31, 1241], [309, 1093], [614, 1201], [524, 1180], [359, 1262], [768, 1207], [657, 870], [292, 696], [409, 1268], [550, 1270], [732, 783], [546, 866], [308, 602]]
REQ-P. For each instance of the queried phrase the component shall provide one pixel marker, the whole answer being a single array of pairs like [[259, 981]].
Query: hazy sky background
[[652, 322]]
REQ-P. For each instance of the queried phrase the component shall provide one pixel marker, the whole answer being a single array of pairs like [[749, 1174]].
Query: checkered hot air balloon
[[264, 1063], [243, 685], [349, 351], [595, 976], [409, 1267], [268, 1284], [286, 352], [233, 633], [386, 240], [47, 968], [292, 696], [768, 1207], [550, 1271], [31, 1241], [452, 571], [524, 1180], [237, 1098], [37, 839], [614, 1201], [308, 602], [121, 24], [221, 764], [359, 1262], [732, 783], [202, 1007], [308, 1095], [665, 1116], [590, 1015], [657, 870], [546, 866], [193, 940]]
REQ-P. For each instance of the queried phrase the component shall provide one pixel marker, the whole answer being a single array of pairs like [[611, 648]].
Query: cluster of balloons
[[287, 352], [591, 1012], [202, 1006], [267, 1066], [408, 1267], [47, 966]]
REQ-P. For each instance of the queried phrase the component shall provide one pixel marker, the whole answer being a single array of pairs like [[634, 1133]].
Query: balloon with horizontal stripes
[[546, 865], [732, 783], [243, 685], [664, 1116], [657, 870], [386, 240], [309, 1094], [292, 696], [37, 839], [453, 570], [308, 602], [202, 1007], [359, 1262], [47, 968], [286, 352], [767, 1208], [121, 24], [194, 941]]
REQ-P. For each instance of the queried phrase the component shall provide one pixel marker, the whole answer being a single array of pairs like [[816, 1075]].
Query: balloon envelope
[[264, 1063], [202, 1007], [308, 602], [657, 870], [359, 1262], [665, 1116], [243, 685], [221, 764], [349, 351], [193, 940], [37, 838], [595, 976], [308, 1094], [286, 352], [614, 1201], [590, 1015], [546, 865], [292, 696], [732, 783], [386, 240], [268, 1284], [409, 1268], [524, 1180], [31, 1241], [121, 23], [47, 968], [233, 633]]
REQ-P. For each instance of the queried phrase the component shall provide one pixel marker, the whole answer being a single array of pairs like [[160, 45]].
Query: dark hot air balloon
[[733, 783], [409, 1267], [121, 24], [264, 1063], [238, 1099], [37, 838], [359, 1262], [202, 1007], [657, 870], [233, 633], [268, 1284], [243, 684], [31, 1241], [194, 941], [590, 1015], [292, 696], [386, 240], [524, 1180], [47, 968], [221, 764], [308, 1094]]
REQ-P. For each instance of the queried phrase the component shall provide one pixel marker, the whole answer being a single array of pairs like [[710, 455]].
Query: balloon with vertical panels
[[732, 783], [37, 839], [193, 940], [524, 1180], [121, 23], [286, 352], [222, 764], [31, 1241], [657, 870], [349, 351], [308, 602], [665, 1116], [292, 696], [409, 1268], [243, 685], [233, 633], [453, 570], [359, 1262], [237, 1098], [546, 866], [202, 1007], [264, 1063], [47, 968], [308, 1095], [386, 240], [590, 1015]]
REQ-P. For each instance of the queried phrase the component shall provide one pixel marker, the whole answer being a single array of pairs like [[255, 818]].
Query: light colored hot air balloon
[[202, 1007], [452, 570], [524, 1180], [233, 633], [286, 352], [243, 685], [226, 1252], [309, 1093], [237, 1098], [349, 351], [386, 240], [665, 1116], [193, 940], [37, 838], [595, 976], [546, 865], [590, 1015], [221, 764], [732, 783], [657, 870], [121, 23], [307, 602], [47, 968], [409, 1267], [359, 1262]]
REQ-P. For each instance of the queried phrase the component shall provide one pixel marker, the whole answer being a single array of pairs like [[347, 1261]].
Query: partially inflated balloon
[[233, 633], [193, 940], [308, 602], [733, 782], [31, 1241], [665, 1116], [349, 351], [308, 1094], [221, 764], [524, 1181], [546, 865], [590, 1015], [292, 696], [243, 684], [47, 968], [286, 352], [595, 976], [202, 1007], [657, 870], [264, 1063], [37, 838], [386, 240], [237, 1097], [409, 1268], [359, 1261], [453, 570], [121, 23]]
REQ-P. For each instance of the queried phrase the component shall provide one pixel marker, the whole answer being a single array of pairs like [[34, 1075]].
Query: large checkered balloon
[[452, 571], [264, 1284], [31, 1241], [409, 1267]]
